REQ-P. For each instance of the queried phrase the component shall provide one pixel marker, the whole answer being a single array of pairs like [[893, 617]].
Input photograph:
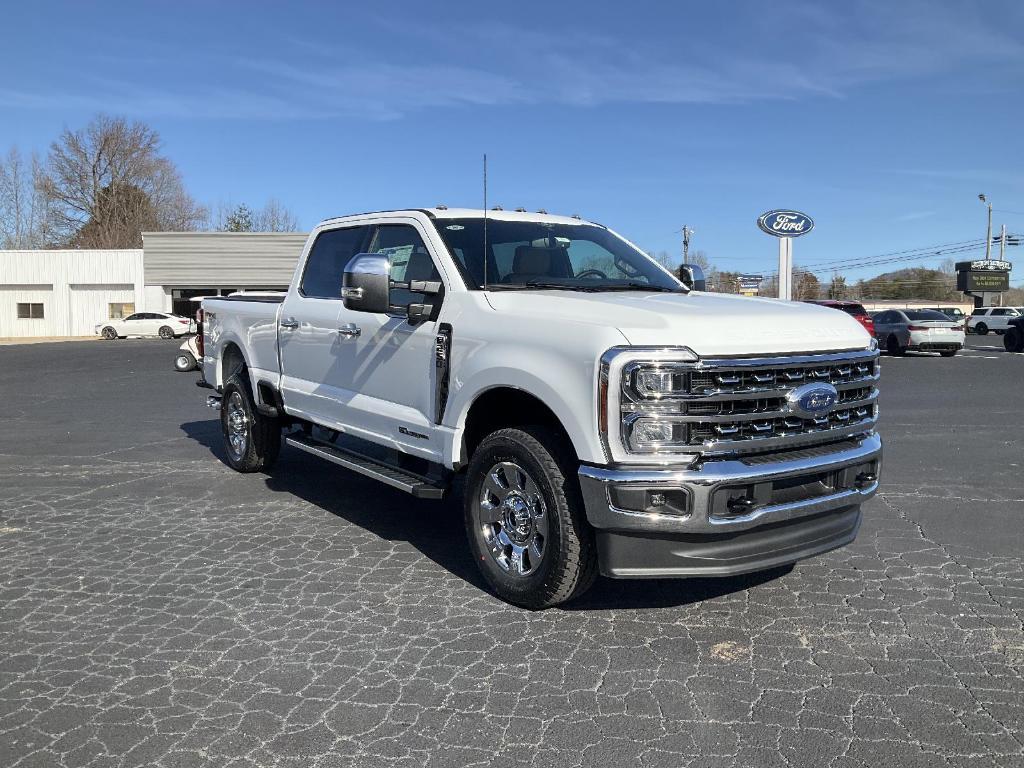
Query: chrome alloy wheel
[[512, 518], [237, 425]]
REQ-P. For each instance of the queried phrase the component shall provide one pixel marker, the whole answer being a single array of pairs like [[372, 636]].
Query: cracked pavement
[[158, 609]]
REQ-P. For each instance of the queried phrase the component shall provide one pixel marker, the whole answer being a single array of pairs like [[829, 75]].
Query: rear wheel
[[525, 520], [166, 332], [981, 329], [892, 346], [184, 362], [109, 333], [252, 441]]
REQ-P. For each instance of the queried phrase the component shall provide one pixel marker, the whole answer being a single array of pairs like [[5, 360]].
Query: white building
[[65, 293], [69, 292]]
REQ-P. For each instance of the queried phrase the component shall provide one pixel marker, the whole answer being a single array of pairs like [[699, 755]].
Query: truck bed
[[250, 322]]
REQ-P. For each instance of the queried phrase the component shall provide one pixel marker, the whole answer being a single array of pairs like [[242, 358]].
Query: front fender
[[562, 381]]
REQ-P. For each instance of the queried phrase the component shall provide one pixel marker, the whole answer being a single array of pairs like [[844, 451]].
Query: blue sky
[[881, 120]]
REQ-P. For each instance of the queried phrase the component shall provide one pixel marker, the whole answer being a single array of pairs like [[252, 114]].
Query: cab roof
[[473, 213]]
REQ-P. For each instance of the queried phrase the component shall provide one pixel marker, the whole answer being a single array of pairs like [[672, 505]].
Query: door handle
[[290, 323], [350, 330]]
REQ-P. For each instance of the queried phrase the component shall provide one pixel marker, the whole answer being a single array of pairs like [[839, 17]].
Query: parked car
[[604, 416], [188, 355], [985, 319], [850, 308], [919, 330], [162, 324], [1013, 339]]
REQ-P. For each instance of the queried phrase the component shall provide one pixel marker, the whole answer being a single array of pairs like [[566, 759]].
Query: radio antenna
[[485, 221]]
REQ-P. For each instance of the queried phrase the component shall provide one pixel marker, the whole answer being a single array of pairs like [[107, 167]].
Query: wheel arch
[[501, 406]]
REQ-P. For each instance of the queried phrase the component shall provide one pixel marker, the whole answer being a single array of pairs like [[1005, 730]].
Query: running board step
[[418, 486]]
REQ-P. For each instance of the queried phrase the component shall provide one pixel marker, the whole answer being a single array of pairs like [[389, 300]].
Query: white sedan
[[162, 324]]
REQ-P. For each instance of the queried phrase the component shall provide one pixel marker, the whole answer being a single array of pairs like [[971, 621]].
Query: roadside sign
[[785, 225]]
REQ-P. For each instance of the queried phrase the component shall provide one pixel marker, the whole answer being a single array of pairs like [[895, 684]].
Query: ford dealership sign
[[785, 223]]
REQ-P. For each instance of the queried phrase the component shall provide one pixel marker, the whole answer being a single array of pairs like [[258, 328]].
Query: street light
[[988, 237]]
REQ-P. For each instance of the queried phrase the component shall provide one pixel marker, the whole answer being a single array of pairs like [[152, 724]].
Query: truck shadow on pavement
[[436, 529]]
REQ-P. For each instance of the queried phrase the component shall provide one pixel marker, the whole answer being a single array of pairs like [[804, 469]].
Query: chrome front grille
[[743, 405]]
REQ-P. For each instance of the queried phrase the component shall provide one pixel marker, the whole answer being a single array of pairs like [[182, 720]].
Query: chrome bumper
[[731, 516]]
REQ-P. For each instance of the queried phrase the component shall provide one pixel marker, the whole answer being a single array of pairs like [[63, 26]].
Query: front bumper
[[732, 516]]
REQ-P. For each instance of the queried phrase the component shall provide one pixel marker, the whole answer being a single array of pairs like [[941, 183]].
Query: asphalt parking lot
[[158, 609]]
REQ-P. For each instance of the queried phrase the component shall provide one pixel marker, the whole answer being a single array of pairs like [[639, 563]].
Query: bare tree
[[26, 218], [274, 217], [108, 183]]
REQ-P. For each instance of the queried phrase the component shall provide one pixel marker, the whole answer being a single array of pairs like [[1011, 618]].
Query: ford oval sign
[[785, 223], [812, 400]]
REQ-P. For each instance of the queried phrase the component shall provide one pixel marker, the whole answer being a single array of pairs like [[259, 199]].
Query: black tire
[[262, 433], [892, 346], [1013, 340], [109, 334], [568, 563], [948, 353], [981, 329], [166, 332], [184, 362]]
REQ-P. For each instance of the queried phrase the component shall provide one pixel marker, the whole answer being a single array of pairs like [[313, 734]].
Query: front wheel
[[525, 520], [252, 441], [892, 346], [166, 332], [184, 362], [109, 333]]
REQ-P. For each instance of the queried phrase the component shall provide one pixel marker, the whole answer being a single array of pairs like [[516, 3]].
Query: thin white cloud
[[799, 50]]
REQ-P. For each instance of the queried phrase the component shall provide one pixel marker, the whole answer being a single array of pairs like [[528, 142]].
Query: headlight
[[873, 344], [639, 402]]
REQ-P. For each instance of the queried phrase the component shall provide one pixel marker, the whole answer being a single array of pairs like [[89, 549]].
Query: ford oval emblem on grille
[[812, 399]]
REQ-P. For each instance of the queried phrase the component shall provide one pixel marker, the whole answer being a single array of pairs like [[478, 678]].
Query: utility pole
[[988, 236], [686, 244]]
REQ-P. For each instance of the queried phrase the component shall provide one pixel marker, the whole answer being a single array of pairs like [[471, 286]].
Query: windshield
[[535, 254], [924, 314]]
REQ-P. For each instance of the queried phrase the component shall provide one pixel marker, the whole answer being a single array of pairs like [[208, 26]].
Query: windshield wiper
[[633, 286], [538, 285]]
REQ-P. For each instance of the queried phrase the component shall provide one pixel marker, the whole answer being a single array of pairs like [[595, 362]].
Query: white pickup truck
[[605, 417]]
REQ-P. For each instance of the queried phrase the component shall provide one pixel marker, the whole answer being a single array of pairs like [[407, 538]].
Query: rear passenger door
[[313, 375]]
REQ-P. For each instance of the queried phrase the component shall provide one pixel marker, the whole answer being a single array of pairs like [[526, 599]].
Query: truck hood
[[710, 324]]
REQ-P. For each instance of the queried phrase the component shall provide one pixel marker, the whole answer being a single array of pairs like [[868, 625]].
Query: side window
[[1000, 312], [882, 317], [136, 316], [409, 259], [977, 312], [321, 279]]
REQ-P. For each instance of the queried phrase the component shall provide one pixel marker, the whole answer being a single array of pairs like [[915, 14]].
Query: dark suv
[[1013, 338]]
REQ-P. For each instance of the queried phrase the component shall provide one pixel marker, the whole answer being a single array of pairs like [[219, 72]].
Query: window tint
[[327, 259], [883, 317], [135, 317], [924, 314], [408, 258], [1000, 312], [853, 309], [978, 312]]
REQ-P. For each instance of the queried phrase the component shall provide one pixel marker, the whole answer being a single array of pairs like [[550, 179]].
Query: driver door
[[386, 364]]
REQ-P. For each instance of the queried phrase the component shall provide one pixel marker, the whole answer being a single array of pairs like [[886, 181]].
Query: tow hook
[[213, 401], [865, 479]]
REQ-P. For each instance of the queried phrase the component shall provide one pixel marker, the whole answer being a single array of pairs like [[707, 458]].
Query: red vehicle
[[850, 308]]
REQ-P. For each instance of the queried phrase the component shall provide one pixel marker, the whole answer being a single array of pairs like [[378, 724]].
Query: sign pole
[[786, 268]]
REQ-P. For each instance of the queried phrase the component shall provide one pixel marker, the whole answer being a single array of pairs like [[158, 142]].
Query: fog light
[[651, 431]]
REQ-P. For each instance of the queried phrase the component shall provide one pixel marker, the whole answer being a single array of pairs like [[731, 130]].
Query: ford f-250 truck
[[605, 416]]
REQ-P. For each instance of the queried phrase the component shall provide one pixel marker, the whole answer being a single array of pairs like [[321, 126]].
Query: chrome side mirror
[[365, 285], [692, 277]]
